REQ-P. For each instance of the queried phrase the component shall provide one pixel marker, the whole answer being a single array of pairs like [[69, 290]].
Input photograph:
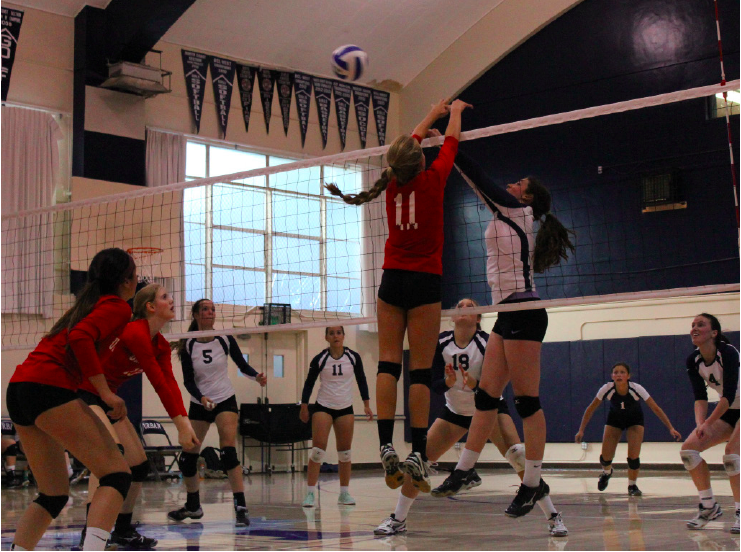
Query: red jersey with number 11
[[415, 216]]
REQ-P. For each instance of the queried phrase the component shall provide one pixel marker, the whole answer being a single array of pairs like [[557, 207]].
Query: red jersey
[[138, 352], [92, 341], [415, 216]]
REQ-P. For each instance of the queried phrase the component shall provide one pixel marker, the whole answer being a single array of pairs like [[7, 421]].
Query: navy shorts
[[626, 419], [27, 400], [406, 289], [197, 411], [91, 399], [334, 412], [730, 417], [524, 325], [456, 419]]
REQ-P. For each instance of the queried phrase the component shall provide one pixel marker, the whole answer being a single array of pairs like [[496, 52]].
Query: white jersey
[[459, 399], [336, 379], [721, 374]]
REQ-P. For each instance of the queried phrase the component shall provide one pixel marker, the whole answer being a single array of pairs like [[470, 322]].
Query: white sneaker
[[345, 499], [704, 516], [390, 526], [419, 470], [734, 529], [556, 528]]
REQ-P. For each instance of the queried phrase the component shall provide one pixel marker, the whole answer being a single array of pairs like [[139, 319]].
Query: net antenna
[[147, 259]]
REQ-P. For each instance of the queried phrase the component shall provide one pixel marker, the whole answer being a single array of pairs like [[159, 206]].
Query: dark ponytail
[[180, 347], [715, 325], [553, 239]]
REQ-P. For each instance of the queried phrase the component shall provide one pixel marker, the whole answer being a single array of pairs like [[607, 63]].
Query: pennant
[[195, 68], [12, 20], [246, 83], [342, 97], [266, 81], [302, 87], [362, 99], [222, 78], [323, 95], [285, 87], [380, 111]]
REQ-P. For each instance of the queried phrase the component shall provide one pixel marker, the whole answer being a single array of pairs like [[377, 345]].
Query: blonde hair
[[405, 162], [145, 295]]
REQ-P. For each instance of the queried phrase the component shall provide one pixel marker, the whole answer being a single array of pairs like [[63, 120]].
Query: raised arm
[[588, 413], [437, 111], [481, 183], [454, 123]]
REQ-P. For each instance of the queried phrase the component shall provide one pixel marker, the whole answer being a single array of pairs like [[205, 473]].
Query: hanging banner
[[266, 81], [323, 95], [380, 112], [195, 68], [302, 86], [222, 78], [12, 20], [285, 88], [362, 99], [342, 98], [246, 83]]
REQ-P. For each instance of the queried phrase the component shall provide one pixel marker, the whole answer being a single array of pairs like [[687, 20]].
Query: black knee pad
[[188, 463], [604, 462], [229, 459], [393, 368], [527, 406], [421, 377], [484, 401], [121, 481], [634, 463], [120, 447], [12, 450], [52, 504], [140, 472]]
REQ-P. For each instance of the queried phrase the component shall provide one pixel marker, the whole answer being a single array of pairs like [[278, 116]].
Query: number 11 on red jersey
[[400, 206]]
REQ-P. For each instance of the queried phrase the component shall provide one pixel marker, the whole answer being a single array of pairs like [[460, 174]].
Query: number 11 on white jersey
[[412, 224]]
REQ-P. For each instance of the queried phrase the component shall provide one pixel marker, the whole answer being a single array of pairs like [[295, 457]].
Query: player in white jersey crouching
[[336, 366]]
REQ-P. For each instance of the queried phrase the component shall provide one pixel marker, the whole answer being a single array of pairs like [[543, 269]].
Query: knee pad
[[690, 458], [421, 377], [393, 368], [229, 459], [731, 464], [121, 481], [346, 455], [188, 463], [604, 463], [516, 457], [12, 450], [483, 401], [634, 463], [52, 504], [121, 448], [140, 472], [317, 455], [527, 406]]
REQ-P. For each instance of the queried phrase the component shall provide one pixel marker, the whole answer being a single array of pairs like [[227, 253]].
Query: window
[[718, 105], [270, 239], [277, 366]]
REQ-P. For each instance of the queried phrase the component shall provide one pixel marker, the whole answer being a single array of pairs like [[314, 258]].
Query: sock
[[312, 489], [96, 539], [707, 499], [546, 504], [386, 431], [468, 460], [631, 482], [344, 489], [193, 502], [403, 506], [419, 441], [607, 469], [239, 501], [532, 472], [123, 522]]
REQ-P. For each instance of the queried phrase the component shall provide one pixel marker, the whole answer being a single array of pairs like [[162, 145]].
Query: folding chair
[[151, 429]]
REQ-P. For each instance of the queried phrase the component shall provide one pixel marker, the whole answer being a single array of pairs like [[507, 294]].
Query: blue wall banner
[[285, 88], [380, 111], [342, 99], [222, 78], [195, 67], [302, 85], [362, 99], [323, 95], [266, 80], [246, 83], [12, 20]]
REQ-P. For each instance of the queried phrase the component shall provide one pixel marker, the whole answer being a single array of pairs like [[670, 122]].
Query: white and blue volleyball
[[349, 62]]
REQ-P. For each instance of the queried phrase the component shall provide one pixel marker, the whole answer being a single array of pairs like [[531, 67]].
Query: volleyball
[[349, 62]]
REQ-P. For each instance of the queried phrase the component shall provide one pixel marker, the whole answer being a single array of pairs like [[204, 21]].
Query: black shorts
[[624, 420], [504, 407], [27, 400], [334, 412], [524, 325], [8, 429], [456, 419], [197, 411], [730, 417], [406, 289], [91, 399]]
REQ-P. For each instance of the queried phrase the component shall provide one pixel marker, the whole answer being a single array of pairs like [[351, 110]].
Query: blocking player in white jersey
[[625, 415], [336, 367], [212, 400], [714, 363], [456, 371]]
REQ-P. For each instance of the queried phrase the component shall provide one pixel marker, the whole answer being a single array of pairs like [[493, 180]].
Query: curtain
[[30, 165], [165, 158], [375, 232]]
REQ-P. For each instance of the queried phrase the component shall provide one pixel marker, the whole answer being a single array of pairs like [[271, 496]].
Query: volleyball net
[[271, 247]]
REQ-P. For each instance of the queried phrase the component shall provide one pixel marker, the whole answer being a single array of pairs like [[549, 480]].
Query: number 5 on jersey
[[400, 207]]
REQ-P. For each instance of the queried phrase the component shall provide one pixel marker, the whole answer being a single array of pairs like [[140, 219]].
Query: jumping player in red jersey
[[410, 291], [43, 404], [142, 348]]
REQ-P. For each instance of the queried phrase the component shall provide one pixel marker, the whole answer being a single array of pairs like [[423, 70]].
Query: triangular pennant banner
[[222, 78], [285, 88], [342, 98], [362, 99], [12, 21], [266, 81], [302, 86], [323, 95], [380, 111], [246, 83], [195, 68]]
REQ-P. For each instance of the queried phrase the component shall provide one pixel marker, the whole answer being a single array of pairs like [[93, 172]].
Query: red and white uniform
[[138, 352], [92, 341], [415, 216]]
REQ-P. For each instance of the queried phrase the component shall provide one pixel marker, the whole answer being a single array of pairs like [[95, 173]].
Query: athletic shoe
[[472, 480], [182, 513], [526, 499], [345, 499], [242, 516], [734, 529], [633, 490], [309, 500], [453, 484], [131, 538], [704, 516], [419, 470], [556, 528], [390, 526], [390, 461], [604, 479]]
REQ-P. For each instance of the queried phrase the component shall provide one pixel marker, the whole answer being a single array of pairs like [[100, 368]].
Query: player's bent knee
[[691, 459], [393, 368], [516, 457], [731, 464], [604, 463], [140, 472], [485, 402], [634, 463], [52, 504], [421, 377], [188, 463], [527, 406], [344, 455], [317, 455], [121, 481], [229, 459]]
